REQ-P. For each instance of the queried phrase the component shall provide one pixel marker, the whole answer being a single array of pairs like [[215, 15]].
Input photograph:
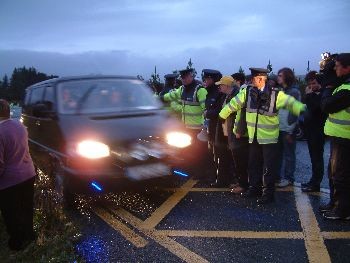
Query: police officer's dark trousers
[[240, 155], [16, 205], [263, 168], [340, 174]]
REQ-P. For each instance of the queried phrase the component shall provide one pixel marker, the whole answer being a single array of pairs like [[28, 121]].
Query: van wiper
[[83, 98], [122, 115]]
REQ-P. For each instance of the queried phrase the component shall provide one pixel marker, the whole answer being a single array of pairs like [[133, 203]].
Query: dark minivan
[[95, 133]]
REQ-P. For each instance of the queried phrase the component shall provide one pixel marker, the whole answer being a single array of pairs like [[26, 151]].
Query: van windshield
[[105, 95]]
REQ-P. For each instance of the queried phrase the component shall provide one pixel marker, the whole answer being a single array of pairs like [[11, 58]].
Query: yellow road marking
[[168, 205], [202, 189], [232, 234], [336, 235], [125, 231], [314, 243], [168, 243]]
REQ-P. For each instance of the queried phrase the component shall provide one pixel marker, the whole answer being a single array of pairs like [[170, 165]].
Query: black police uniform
[[213, 105]]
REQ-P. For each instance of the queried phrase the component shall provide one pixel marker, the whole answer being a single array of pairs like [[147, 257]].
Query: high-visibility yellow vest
[[262, 120], [192, 104], [338, 124]]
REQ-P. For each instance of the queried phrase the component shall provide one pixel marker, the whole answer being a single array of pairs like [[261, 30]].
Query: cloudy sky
[[131, 37]]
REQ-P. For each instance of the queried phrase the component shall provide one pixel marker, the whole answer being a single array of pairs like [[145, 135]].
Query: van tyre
[[64, 196]]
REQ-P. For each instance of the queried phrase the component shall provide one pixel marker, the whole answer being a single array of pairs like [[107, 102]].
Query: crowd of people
[[250, 127]]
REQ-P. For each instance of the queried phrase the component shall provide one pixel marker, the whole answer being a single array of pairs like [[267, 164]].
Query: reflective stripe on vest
[[338, 123], [194, 126], [193, 114], [263, 126], [264, 141], [190, 103]]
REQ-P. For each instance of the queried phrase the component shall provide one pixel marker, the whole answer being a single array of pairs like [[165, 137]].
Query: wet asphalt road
[[189, 223]]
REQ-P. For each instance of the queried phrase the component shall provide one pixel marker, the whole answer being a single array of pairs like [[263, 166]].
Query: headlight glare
[[92, 149], [178, 139]]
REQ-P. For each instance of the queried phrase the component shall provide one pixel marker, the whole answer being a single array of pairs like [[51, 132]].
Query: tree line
[[13, 89]]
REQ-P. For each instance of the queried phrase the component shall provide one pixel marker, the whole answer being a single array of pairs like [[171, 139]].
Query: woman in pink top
[[17, 175]]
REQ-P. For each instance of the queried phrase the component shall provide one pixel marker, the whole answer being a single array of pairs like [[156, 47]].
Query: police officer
[[193, 96], [262, 104], [211, 115], [336, 102], [170, 85]]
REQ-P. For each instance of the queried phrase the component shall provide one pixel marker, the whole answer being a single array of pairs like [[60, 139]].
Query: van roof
[[83, 77]]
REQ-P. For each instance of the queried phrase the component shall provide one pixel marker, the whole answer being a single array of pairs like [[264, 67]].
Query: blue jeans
[[286, 162]]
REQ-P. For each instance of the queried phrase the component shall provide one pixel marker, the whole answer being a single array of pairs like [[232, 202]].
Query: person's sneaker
[[237, 190], [326, 208], [283, 183], [333, 215], [265, 199], [310, 188]]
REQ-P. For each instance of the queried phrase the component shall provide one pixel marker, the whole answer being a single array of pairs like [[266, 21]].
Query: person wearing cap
[[288, 125], [17, 175], [192, 95], [170, 85], [211, 113], [336, 103], [239, 143], [223, 134], [262, 104]]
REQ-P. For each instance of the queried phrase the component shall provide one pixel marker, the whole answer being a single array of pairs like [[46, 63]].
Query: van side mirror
[[42, 110]]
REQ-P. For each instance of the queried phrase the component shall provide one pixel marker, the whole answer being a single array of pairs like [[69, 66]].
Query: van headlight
[[92, 149], [178, 139]]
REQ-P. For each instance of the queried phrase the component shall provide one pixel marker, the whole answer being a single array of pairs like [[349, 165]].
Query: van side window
[[26, 101], [36, 96], [49, 97]]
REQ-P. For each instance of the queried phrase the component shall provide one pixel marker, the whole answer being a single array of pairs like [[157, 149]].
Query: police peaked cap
[[258, 71], [171, 76], [184, 72], [211, 73]]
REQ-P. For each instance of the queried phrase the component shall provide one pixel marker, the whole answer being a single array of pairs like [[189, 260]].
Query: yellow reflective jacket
[[262, 111], [338, 124], [192, 104]]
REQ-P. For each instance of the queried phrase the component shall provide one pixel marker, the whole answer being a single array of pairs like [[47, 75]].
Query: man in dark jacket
[[16, 180], [314, 120], [336, 102], [211, 113]]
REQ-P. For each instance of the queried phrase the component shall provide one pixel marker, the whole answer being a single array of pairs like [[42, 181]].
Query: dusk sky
[[131, 37]]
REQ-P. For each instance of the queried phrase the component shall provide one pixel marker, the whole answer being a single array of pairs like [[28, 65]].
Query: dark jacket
[[213, 104], [314, 117], [220, 139]]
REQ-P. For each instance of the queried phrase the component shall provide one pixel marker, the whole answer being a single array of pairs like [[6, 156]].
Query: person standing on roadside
[[288, 124], [336, 102], [314, 120], [17, 176]]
